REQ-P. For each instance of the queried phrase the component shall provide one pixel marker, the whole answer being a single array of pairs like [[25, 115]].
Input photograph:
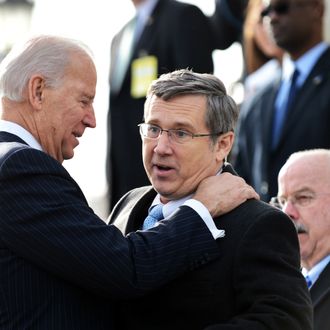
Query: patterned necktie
[[155, 214], [281, 112]]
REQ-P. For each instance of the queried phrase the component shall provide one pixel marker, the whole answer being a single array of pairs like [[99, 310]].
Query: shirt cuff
[[206, 217]]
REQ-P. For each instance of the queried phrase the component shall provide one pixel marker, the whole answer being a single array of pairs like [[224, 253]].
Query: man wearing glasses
[[256, 283], [304, 195], [292, 112]]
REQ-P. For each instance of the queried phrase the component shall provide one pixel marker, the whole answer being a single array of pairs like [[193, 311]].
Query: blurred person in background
[[164, 35], [292, 112], [262, 56], [227, 22], [240, 21], [304, 195]]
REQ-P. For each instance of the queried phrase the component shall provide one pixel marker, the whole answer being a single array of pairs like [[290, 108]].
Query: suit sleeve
[[272, 293], [45, 219]]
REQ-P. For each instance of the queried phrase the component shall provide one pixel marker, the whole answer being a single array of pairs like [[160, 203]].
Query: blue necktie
[[281, 112], [308, 281], [155, 214]]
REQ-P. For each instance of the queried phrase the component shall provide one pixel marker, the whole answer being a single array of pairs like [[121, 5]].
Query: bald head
[[304, 189]]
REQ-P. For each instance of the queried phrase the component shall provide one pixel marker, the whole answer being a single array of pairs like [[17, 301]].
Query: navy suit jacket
[[320, 293], [61, 267], [256, 284], [307, 126], [178, 34]]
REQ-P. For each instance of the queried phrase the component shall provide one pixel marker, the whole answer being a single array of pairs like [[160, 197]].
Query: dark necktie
[[281, 112], [308, 281], [155, 214]]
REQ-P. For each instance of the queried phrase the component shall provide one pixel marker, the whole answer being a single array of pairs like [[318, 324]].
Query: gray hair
[[45, 55], [222, 111]]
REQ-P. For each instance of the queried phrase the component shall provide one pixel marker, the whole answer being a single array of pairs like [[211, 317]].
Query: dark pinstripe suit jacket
[[61, 267], [256, 284]]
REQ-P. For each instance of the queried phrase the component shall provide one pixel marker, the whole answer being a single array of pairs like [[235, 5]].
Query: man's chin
[[166, 195], [68, 155]]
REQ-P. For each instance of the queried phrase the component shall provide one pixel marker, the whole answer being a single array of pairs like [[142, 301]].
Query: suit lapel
[[321, 288], [307, 92], [122, 55], [267, 115], [140, 211], [143, 44], [130, 212]]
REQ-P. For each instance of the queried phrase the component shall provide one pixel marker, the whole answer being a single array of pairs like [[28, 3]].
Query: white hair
[[45, 55]]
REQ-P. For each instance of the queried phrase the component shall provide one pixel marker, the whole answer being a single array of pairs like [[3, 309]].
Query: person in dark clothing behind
[[165, 35], [291, 113]]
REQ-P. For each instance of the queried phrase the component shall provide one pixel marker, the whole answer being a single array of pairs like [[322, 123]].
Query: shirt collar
[[144, 10], [171, 206], [304, 64], [13, 128], [315, 272]]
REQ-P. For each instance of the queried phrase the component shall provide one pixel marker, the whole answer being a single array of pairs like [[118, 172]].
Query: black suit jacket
[[256, 284], [61, 267], [320, 293], [307, 126], [227, 22], [178, 34]]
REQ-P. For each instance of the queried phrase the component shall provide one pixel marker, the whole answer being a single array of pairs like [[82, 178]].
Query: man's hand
[[222, 193]]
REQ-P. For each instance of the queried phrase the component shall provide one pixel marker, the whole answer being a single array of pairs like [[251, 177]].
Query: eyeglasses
[[175, 135], [282, 8], [300, 199]]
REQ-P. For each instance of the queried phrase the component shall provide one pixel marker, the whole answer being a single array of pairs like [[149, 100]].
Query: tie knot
[[155, 214]]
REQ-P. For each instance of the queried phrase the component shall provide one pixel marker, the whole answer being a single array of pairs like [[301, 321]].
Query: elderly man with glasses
[[256, 283], [304, 195]]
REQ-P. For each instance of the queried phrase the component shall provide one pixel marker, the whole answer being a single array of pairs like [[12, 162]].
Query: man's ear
[[224, 145], [35, 90]]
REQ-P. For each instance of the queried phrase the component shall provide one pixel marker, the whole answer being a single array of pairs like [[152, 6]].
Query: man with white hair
[[304, 195]]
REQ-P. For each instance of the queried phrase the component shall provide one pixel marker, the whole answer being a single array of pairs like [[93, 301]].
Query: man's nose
[[90, 119], [290, 209]]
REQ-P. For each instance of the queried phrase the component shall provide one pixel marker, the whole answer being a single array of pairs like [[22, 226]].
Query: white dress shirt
[[202, 211], [26, 136], [314, 273]]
